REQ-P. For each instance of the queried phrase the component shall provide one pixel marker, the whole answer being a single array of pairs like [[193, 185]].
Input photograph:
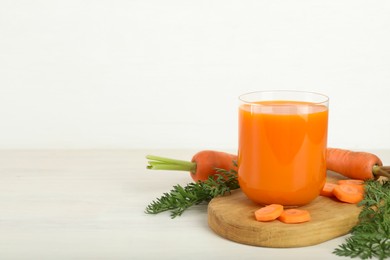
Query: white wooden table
[[89, 204]]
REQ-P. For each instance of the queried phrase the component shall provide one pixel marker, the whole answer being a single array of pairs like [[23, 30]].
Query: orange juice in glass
[[282, 146]]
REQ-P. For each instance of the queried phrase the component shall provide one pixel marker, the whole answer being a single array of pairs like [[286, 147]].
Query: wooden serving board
[[232, 217]]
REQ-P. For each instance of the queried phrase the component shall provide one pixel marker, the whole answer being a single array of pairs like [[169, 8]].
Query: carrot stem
[[163, 163], [381, 171]]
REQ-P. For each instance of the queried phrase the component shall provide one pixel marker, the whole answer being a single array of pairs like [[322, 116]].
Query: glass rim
[[323, 98]]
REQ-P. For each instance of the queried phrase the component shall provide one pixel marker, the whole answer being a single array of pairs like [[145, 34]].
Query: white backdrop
[[167, 74]]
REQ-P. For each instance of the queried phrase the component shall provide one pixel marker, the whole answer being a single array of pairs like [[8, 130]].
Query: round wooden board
[[232, 217]]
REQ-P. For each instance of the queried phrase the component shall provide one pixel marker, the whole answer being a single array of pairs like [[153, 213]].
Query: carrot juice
[[282, 149]]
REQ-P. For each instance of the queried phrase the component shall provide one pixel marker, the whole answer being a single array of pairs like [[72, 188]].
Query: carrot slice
[[293, 216], [348, 193], [327, 190], [359, 187], [359, 184], [269, 213]]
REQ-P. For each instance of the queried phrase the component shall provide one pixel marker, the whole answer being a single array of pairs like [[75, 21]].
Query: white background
[[167, 74]]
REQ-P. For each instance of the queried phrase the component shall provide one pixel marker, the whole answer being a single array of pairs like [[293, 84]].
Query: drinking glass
[[282, 146]]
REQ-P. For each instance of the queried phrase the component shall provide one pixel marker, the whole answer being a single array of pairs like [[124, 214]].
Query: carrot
[[355, 165], [294, 216], [202, 165], [348, 193], [208, 161], [269, 213], [327, 190]]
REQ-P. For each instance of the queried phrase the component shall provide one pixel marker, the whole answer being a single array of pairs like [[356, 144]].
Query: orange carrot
[[355, 165], [293, 216], [327, 190], [202, 165], [269, 213], [208, 161], [348, 193]]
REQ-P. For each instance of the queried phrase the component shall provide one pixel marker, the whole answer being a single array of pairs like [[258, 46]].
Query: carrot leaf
[[181, 198]]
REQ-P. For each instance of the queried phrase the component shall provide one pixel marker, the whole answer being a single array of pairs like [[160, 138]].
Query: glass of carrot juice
[[282, 146]]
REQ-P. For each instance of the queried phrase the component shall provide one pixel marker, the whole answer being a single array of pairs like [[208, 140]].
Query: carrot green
[[181, 198]]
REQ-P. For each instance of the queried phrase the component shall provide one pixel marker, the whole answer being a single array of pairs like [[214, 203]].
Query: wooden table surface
[[89, 204]]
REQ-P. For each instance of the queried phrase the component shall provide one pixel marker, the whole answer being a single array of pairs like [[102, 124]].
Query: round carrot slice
[[348, 193], [293, 216], [269, 213]]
